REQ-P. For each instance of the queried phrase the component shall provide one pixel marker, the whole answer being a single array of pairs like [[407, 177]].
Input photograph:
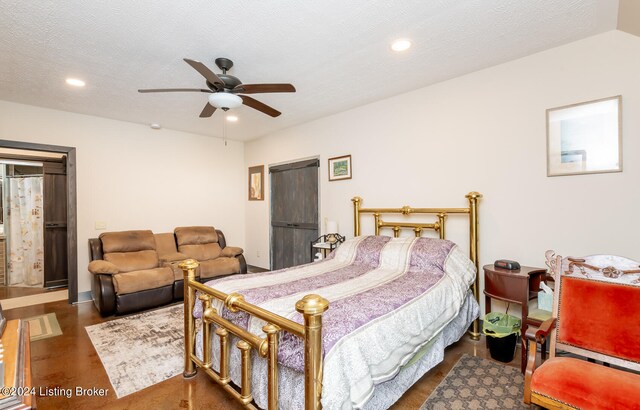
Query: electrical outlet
[[100, 225], [258, 254]]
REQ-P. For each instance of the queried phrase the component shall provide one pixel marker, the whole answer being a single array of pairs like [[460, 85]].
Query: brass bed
[[311, 307]]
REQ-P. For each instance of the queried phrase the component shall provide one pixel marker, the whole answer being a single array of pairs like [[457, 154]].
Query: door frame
[[72, 221], [293, 161]]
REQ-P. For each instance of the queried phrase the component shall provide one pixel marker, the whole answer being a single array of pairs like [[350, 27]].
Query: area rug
[[141, 350], [476, 383], [43, 326]]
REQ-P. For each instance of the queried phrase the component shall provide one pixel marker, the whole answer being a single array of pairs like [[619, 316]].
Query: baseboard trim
[[84, 297], [255, 269]]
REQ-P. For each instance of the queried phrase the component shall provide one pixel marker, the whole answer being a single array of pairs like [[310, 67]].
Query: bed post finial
[[473, 198], [356, 215], [312, 307], [188, 267]]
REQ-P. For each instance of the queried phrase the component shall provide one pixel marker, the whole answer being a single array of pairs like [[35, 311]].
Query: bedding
[[389, 298]]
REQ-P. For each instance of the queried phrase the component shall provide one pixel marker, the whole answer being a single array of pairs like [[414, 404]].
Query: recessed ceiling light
[[232, 118], [401, 45], [75, 82], [155, 126]]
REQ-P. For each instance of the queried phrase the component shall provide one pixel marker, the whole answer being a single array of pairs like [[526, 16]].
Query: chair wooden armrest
[[543, 331], [534, 336]]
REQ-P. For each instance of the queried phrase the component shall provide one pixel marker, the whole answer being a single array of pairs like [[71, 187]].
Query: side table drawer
[[508, 288]]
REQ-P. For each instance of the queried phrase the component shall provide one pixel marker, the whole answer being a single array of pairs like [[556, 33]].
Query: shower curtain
[[26, 232]]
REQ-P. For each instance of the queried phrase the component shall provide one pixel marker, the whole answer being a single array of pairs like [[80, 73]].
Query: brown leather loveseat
[[136, 270], [208, 247]]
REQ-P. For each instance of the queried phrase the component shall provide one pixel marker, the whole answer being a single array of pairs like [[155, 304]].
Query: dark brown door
[[294, 212], [55, 224]]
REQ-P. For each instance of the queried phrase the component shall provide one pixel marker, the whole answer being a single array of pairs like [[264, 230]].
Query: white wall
[[133, 177], [484, 131]]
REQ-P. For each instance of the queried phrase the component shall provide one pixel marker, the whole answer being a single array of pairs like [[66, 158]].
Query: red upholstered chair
[[596, 315]]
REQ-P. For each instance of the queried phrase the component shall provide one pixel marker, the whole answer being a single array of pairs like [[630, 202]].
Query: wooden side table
[[18, 391], [514, 286]]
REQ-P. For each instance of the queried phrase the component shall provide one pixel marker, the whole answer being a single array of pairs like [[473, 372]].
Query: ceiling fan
[[225, 91]]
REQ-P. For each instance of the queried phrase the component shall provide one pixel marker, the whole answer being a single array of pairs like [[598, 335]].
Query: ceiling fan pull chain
[[224, 132]]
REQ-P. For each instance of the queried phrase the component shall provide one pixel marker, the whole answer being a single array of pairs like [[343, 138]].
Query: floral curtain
[[26, 232]]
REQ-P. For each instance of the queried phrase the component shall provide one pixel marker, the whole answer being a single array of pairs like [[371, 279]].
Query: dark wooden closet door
[[294, 212], [55, 224]]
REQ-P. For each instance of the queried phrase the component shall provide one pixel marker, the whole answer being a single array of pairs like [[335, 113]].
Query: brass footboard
[[311, 307]]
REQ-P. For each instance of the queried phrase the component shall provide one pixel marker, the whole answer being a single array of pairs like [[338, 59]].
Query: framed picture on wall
[[585, 138], [340, 168], [256, 183]]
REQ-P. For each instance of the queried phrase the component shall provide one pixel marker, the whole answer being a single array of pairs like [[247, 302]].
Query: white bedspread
[[374, 350]]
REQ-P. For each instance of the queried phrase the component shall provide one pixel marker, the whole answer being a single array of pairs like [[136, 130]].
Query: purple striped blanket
[[366, 280]]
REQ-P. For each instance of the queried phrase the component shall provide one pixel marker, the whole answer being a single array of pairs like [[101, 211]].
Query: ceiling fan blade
[[264, 88], [173, 90], [207, 111], [262, 107], [206, 73]]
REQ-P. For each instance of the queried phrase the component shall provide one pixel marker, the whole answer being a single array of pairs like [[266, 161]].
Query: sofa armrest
[[103, 267], [173, 257], [222, 241], [103, 293], [95, 249], [243, 264], [231, 251]]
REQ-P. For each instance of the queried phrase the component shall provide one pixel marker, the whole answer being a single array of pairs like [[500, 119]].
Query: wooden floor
[[69, 361]]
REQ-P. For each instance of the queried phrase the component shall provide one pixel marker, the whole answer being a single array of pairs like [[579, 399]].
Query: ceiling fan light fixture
[[225, 100], [401, 45], [75, 82]]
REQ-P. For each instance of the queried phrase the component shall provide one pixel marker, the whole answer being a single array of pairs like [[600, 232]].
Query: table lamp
[[332, 230]]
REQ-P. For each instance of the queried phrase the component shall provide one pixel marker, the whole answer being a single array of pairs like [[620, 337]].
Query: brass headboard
[[438, 226]]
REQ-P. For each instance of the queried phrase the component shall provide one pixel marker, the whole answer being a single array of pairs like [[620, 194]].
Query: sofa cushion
[[585, 385], [138, 280], [195, 235], [130, 261], [127, 241], [165, 243], [173, 257], [216, 267], [201, 252], [102, 267]]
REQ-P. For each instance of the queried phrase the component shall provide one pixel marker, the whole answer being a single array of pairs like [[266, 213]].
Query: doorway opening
[[21, 224], [38, 244]]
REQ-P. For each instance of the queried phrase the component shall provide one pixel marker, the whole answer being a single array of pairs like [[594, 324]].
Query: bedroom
[[484, 131]]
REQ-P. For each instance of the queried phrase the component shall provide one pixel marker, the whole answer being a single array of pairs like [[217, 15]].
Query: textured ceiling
[[335, 52]]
